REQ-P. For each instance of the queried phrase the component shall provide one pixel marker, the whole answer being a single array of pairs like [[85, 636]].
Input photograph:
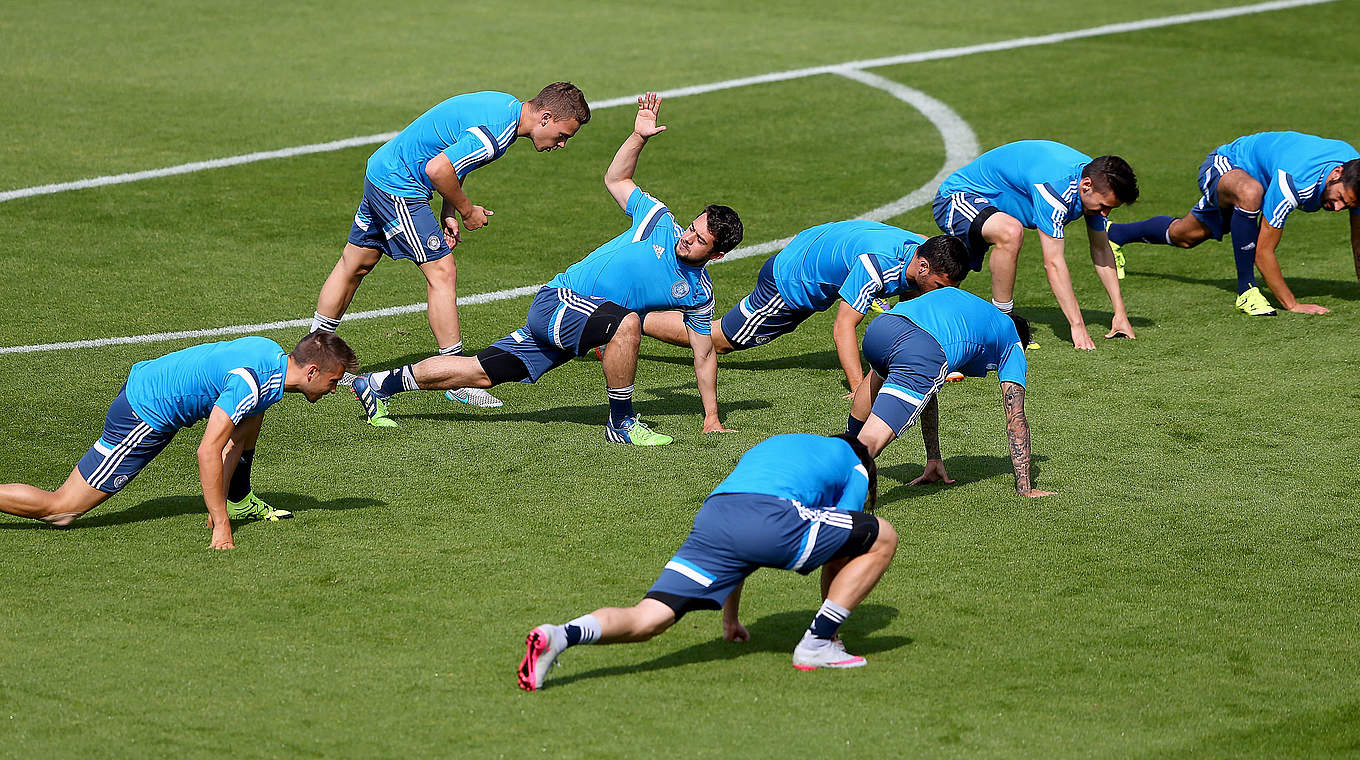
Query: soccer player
[[435, 154], [795, 502], [1039, 185], [1270, 172], [231, 384], [600, 301], [856, 261], [914, 346]]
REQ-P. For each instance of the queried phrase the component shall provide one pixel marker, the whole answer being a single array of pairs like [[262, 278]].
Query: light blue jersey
[[472, 130], [1291, 166], [242, 377], [816, 471], [1034, 181], [639, 270], [975, 335], [856, 261]]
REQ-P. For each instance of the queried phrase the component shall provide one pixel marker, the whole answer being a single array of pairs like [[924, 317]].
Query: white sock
[[454, 350], [1005, 306], [324, 324]]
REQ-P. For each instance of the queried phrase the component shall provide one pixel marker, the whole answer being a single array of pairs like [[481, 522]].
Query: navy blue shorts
[[912, 365], [762, 315], [551, 336], [962, 215], [1207, 211], [735, 534], [402, 228], [127, 445]]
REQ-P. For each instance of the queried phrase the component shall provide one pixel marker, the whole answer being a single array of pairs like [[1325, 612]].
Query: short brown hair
[[325, 349], [563, 100], [1112, 173]]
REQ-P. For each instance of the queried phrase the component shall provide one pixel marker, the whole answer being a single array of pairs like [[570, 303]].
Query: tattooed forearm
[[930, 428], [1017, 430]]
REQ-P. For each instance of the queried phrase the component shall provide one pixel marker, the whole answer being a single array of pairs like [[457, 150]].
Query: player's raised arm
[[618, 178]]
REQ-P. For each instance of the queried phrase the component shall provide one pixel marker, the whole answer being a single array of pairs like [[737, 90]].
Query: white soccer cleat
[[542, 646], [812, 653], [474, 397]]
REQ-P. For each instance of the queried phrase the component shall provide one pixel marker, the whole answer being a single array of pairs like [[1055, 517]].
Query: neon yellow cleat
[[1253, 303]]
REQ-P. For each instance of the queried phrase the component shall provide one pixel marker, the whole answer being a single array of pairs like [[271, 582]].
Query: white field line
[[960, 147], [779, 76]]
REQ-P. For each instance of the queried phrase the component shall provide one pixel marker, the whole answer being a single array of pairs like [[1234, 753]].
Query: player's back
[[398, 167], [975, 335], [811, 270], [1264, 154], [1016, 167], [176, 390], [814, 470]]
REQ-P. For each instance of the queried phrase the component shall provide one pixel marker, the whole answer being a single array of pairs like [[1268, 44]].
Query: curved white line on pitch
[[960, 147]]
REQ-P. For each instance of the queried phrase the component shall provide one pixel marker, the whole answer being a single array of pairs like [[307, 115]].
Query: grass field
[[1189, 592]]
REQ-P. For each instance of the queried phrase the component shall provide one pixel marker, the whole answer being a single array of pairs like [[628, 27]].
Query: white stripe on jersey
[[647, 219], [1059, 208], [1288, 204], [507, 135]]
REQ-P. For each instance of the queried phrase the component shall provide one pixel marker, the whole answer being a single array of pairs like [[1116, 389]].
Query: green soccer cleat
[[1253, 303], [635, 433], [878, 306], [253, 507], [1118, 251], [375, 406]]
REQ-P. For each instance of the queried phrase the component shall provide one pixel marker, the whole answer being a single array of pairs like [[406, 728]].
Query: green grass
[[1188, 592]]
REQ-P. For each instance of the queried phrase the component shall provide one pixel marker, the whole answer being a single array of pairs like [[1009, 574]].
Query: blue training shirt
[[1034, 181], [242, 377], [639, 270], [472, 130], [855, 260], [814, 470], [1291, 166], [975, 335]]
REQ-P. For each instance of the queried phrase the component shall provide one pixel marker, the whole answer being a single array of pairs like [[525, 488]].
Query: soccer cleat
[[1118, 251], [812, 653], [375, 406], [953, 377], [635, 433], [542, 646], [474, 397], [1033, 345], [879, 305], [253, 507], [1252, 302]]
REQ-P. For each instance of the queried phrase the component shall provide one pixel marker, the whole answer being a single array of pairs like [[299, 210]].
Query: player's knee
[[1249, 195], [1006, 236], [629, 330], [887, 538]]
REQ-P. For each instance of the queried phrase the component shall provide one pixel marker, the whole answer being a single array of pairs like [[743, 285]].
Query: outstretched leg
[[74, 498]]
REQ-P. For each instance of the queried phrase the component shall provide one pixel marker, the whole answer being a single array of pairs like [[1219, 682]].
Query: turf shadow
[[173, 506], [1302, 287], [674, 401], [772, 633], [963, 469], [807, 360], [1053, 317]]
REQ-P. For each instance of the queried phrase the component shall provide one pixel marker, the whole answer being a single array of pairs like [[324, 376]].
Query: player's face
[[1336, 196], [930, 280], [1095, 202], [551, 134], [320, 382], [695, 245]]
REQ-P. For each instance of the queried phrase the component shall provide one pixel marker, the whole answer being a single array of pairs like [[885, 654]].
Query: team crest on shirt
[[659, 250], [680, 289], [433, 242]]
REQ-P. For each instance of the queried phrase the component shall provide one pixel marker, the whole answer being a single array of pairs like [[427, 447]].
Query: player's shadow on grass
[[673, 401], [173, 506], [759, 359], [772, 633], [1302, 287], [1096, 322], [963, 469]]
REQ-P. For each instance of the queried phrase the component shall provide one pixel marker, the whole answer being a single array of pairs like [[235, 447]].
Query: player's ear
[[544, 118]]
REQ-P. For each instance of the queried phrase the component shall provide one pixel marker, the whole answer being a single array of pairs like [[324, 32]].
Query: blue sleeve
[[476, 147], [700, 318], [856, 490], [1282, 197], [1097, 222], [240, 396], [864, 283], [1050, 213], [1013, 366]]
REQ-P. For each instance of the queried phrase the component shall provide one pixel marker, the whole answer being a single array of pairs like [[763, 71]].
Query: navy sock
[[582, 630], [393, 381], [620, 405], [853, 426], [239, 487], [1152, 231], [828, 620], [1244, 229]]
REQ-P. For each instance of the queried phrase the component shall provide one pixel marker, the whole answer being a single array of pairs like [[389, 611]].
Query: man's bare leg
[[338, 290], [74, 498]]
